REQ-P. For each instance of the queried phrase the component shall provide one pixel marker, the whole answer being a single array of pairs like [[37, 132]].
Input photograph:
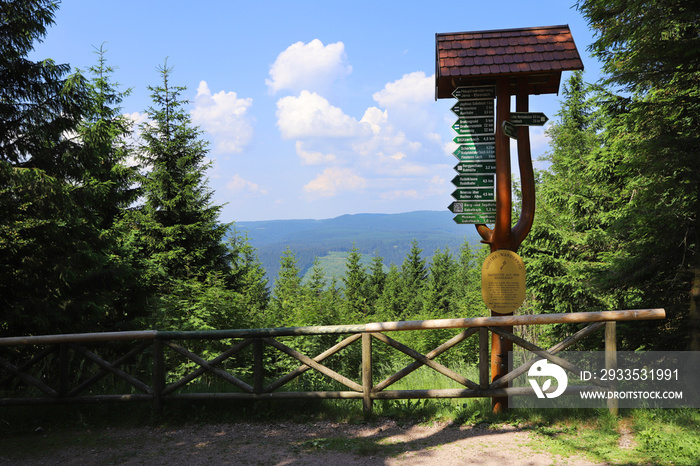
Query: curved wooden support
[[485, 232], [527, 176]]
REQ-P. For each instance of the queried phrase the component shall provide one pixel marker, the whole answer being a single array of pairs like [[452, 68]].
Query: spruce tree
[[562, 251], [286, 294], [376, 279], [54, 266], [177, 230], [413, 278], [650, 53], [440, 293], [355, 282]]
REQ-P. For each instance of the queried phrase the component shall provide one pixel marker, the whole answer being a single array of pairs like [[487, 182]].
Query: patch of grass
[[659, 437], [669, 436]]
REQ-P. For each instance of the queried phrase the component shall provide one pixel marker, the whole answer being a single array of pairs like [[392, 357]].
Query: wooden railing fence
[[41, 369]]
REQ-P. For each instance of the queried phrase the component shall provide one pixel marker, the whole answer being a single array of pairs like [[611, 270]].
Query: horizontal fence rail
[[52, 369]]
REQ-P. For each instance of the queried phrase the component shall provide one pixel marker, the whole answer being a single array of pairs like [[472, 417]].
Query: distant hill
[[386, 235]]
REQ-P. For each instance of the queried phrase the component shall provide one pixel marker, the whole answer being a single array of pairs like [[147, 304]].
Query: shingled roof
[[480, 58]]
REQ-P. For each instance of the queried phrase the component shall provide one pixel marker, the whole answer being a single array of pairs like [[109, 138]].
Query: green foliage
[[62, 186], [617, 217], [176, 231], [355, 283], [199, 305]]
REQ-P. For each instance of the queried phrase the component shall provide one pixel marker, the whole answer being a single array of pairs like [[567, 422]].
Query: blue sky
[[313, 109]]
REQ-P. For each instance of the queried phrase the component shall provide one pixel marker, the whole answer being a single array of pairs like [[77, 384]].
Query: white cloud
[[312, 116], [422, 188], [412, 89], [312, 157], [137, 118], [239, 185], [399, 194], [396, 144], [134, 139], [224, 118], [333, 180], [311, 66]]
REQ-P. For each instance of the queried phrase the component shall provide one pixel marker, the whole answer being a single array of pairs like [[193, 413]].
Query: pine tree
[[376, 279], [54, 275], [390, 306], [104, 151], [440, 289], [286, 294], [563, 248], [468, 280], [247, 277], [413, 278], [651, 58], [177, 229], [355, 286]]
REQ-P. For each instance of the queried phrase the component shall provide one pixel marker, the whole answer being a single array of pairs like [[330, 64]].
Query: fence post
[[611, 361], [367, 374], [258, 379], [484, 361], [63, 369], [158, 375]]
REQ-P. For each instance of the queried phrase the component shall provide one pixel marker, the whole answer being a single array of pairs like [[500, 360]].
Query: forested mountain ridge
[[386, 235]]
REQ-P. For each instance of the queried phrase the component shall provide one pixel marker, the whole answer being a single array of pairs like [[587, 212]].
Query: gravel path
[[317, 443]]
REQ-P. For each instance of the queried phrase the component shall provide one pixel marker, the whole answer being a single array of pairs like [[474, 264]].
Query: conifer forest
[[106, 227]]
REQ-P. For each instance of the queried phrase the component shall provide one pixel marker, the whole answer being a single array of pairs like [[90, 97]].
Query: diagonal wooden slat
[[108, 367], [28, 378], [202, 369], [561, 346], [431, 355], [313, 364], [303, 368], [535, 349], [35, 359], [103, 372], [424, 360], [207, 366]]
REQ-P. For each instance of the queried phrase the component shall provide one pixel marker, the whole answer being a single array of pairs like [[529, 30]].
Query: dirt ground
[[318, 443]]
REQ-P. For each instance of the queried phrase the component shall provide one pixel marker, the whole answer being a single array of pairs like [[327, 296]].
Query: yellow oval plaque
[[503, 281]]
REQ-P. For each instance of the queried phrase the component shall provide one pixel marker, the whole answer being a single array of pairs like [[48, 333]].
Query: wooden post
[[502, 235], [158, 375], [258, 376], [611, 361], [527, 175], [63, 369], [483, 358], [367, 374]]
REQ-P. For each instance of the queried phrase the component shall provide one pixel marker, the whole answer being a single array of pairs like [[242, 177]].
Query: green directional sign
[[475, 139], [475, 219], [474, 125], [472, 207], [474, 92], [510, 130], [474, 181], [473, 108], [474, 194], [467, 152], [528, 119], [470, 168]]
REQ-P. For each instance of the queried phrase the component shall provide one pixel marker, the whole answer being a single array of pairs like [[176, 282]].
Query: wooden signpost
[[475, 68]]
